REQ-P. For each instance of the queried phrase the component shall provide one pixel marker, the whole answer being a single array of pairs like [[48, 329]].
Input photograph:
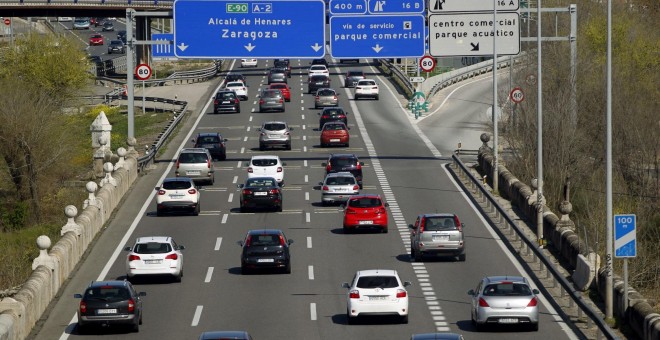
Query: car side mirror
[[283, 164], [225, 139], [240, 243], [290, 129], [142, 294], [407, 284], [387, 205], [462, 225], [182, 247], [470, 292], [535, 291], [342, 207], [411, 226], [259, 129], [320, 183], [127, 249], [318, 113], [77, 296], [289, 242], [345, 285], [247, 163], [324, 164], [157, 188], [361, 163], [240, 186], [192, 140]]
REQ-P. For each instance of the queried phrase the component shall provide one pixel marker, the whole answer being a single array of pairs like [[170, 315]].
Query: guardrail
[[107, 71], [461, 171]]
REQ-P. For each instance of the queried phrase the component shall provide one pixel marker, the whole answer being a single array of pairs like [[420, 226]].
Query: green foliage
[[14, 216]]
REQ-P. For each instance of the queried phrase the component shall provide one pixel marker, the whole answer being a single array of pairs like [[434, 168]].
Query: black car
[[332, 114], [316, 82], [277, 75], [265, 249], [260, 192], [344, 162], [320, 62], [110, 302], [285, 64], [226, 101], [213, 142], [235, 77], [121, 35], [116, 46]]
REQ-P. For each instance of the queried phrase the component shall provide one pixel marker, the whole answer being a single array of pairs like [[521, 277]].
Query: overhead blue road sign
[[377, 36], [348, 6], [625, 236], [396, 6], [163, 50], [246, 28]]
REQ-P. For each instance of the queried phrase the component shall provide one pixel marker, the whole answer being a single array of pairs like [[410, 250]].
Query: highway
[[404, 161]]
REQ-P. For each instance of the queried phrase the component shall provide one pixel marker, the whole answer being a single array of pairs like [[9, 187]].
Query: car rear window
[[208, 140], [345, 180], [193, 157], [333, 112], [507, 289], [367, 82], [108, 294], [278, 86], [226, 95], [274, 126], [327, 92], [271, 94], [260, 182], [355, 74], [264, 240], [344, 161], [176, 185], [264, 162], [152, 248], [365, 202], [439, 223], [377, 282], [330, 126]]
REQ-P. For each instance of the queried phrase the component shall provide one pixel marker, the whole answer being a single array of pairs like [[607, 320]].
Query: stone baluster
[[91, 188], [101, 130], [71, 212], [121, 163], [108, 168]]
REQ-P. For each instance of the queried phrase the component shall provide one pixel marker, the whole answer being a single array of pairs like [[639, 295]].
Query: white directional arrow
[[377, 48], [182, 47], [316, 47], [249, 47]]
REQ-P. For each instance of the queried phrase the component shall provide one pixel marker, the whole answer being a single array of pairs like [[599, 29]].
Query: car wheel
[[82, 329], [243, 209], [196, 210], [238, 110], [287, 269], [404, 319], [279, 209], [141, 315], [534, 327], [347, 230], [245, 271], [223, 156], [418, 256], [262, 147], [384, 231], [356, 97], [351, 320], [215, 112], [212, 181], [347, 144], [316, 106], [159, 212], [136, 327], [288, 147], [462, 257], [376, 97]]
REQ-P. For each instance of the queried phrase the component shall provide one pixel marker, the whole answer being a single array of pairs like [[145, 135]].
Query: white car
[[376, 292], [155, 255], [177, 194], [64, 19], [238, 87], [318, 70], [266, 166], [366, 88], [250, 62]]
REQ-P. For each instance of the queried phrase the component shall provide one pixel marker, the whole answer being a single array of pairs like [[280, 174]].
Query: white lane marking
[[305, 138], [307, 217], [231, 197], [248, 128], [209, 274], [304, 148], [250, 118], [303, 127], [305, 161], [234, 180], [243, 149], [309, 242], [312, 311], [303, 117], [245, 139], [224, 218], [306, 178], [218, 242], [238, 164], [306, 196], [198, 314], [310, 272]]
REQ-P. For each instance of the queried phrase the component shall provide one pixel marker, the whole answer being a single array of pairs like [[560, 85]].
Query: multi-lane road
[[404, 161]]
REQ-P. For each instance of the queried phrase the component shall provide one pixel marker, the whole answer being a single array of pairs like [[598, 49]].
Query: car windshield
[[343, 161], [176, 185], [377, 282], [208, 140], [507, 289], [264, 240], [365, 202], [107, 293], [344, 180], [264, 162], [260, 182], [193, 157], [439, 223], [152, 248], [274, 126]]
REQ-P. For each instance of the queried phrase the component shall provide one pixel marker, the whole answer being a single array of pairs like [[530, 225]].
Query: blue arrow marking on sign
[[396, 6], [377, 36], [256, 29], [163, 50], [625, 236]]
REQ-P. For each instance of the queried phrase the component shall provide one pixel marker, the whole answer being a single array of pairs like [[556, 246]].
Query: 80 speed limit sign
[[143, 72], [517, 95], [427, 63]]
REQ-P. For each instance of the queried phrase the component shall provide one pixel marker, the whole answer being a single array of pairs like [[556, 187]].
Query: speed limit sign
[[427, 63], [517, 95], [143, 72]]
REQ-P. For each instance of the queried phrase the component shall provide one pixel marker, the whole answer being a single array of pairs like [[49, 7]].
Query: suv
[[437, 234], [265, 248], [195, 163], [116, 46], [213, 142], [226, 101], [316, 82], [110, 302], [275, 133], [266, 166], [338, 187], [177, 194], [377, 292], [155, 255], [344, 162]]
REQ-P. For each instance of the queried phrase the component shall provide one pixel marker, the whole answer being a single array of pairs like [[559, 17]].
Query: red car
[[286, 90], [365, 211], [334, 133], [96, 39]]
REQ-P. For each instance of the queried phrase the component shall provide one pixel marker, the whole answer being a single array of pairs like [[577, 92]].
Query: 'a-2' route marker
[[248, 28]]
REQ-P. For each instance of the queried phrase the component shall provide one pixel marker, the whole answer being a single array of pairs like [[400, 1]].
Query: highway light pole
[[130, 91], [495, 110], [608, 170], [539, 130]]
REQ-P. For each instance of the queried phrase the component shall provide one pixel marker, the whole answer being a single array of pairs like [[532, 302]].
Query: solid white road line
[[198, 314], [209, 274], [218, 242], [231, 197], [312, 311], [310, 272], [309, 242], [307, 217]]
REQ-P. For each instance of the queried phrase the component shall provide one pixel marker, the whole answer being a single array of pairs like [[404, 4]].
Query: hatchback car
[[351, 78], [365, 211], [366, 88], [110, 303], [226, 101], [81, 24], [326, 97], [286, 90], [121, 35], [265, 249], [284, 64], [317, 82], [316, 70], [116, 46], [332, 114], [277, 75], [344, 162], [260, 192], [225, 335], [155, 255], [437, 234], [249, 62], [238, 87], [177, 194], [213, 142], [108, 26], [338, 187], [504, 300], [334, 133], [275, 133], [195, 163], [271, 100], [376, 292], [266, 166], [95, 40]]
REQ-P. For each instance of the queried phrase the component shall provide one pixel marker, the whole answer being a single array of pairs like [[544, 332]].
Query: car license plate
[[377, 298], [440, 237], [153, 261], [508, 320], [176, 196], [226, 102], [260, 193], [193, 172], [272, 136], [366, 222], [266, 260], [106, 311], [334, 140]]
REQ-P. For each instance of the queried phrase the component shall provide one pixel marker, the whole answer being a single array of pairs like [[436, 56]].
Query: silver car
[[504, 300], [271, 100], [197, 164], [437, 234], [274, 133], [326, 97], [338, 187]]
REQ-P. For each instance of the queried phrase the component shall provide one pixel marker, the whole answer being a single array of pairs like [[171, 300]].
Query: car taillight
[[208, 163], [325, 188], [287, 133], [247, 192], [381, 211], [263, 133], [325, 117], [281, 100], [282, 242], [243, 88], [248, 241], [236, 101], [279, 169], [172, 257], [216, 102], [133, 258], [131, 305], [328, 168], [317, 97], [356, 187], [350, 211], [422, 224], [458, 223], [483, 303], [261, 101], [401, 293], [83, 307], [533, 302], [250, 169], [274, 191], [192, 191], [334, 97], [358, 166], [161, 192], [177, 163], [354, 294]]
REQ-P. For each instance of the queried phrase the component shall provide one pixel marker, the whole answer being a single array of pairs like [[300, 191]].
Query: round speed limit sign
[[143, 72], [427, 63], [517, 95]]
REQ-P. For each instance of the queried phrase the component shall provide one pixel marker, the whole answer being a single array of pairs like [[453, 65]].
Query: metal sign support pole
[[625, 284], [573, 41], [608, 169], [130, 52], [539, 130], [495, 110], [143, 101]]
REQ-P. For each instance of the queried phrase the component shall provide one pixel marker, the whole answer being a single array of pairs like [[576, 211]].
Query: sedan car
[[344, 162], [260, 192], [249, 62], [338, 187], [238, 87], [266, 166], [437, 234], [376, 292], [108, 26], [335, 133], [316, 82], [326, 97], [365, 211], [351, 78], [366, 88], [116, 46], [332, 114], [110, 303], [225, 335], [177, 194], [275, 133], [315, 70], [226, 101], [213, 142], [504, 300], [271, 100], [286, 90], [95, 40], [155, 255], [265, 249]]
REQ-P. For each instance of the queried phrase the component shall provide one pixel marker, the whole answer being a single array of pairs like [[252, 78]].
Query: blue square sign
[[625, 236]]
